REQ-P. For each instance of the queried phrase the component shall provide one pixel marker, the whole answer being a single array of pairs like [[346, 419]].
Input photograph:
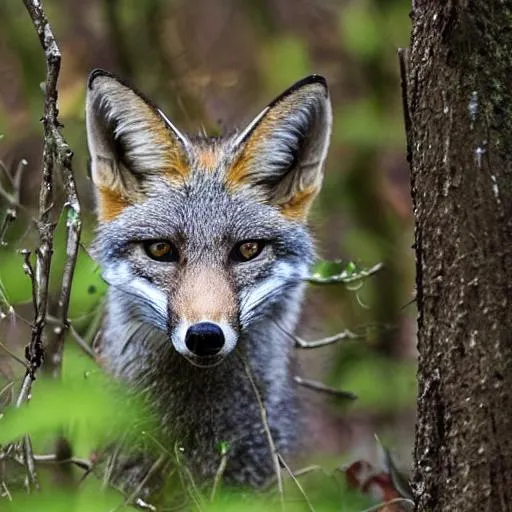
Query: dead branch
[[56, 154], [12, 197], [28, 460], [74, 334], [322, 388], [300, 343]]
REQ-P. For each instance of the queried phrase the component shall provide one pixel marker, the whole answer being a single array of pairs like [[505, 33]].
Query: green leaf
[[86, 405]]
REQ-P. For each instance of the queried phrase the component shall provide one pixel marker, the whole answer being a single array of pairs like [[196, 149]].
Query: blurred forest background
[[213, 65]]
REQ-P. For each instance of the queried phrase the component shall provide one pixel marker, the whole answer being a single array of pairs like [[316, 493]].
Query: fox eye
[[160, 250], [247, 250]]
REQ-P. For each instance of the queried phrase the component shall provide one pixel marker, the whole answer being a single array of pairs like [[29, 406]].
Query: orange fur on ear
[[110, 203], [235, 177], [131, 142], [177, 169], [240, 170], [282, 152], [297, 208]]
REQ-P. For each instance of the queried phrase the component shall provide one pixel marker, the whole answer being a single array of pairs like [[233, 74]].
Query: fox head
[[205, 239]]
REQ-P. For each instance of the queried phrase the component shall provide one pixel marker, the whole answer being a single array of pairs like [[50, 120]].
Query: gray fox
[[205, 247]]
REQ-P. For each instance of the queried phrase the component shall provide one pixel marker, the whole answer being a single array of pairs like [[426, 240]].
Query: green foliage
[[327, 495], [381, 383], [365, 125], [360, 30], [88, 498], [284, 60], [84, 405]]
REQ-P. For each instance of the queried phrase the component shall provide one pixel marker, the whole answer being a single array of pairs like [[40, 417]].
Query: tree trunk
[[460, 140]]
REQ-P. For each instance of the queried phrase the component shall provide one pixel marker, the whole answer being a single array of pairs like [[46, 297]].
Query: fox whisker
[[267, 301]]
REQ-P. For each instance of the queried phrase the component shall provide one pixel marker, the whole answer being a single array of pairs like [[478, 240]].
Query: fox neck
[[200, 407]]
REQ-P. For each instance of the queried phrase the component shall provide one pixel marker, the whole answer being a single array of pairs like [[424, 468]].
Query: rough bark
[[460, 106]]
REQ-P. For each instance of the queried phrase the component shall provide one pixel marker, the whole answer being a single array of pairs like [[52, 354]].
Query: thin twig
[[307, 470], [6, 493], [319, 386], [185, 473], [26, 387], [53, 459], [273, 449], [10, 216], [13, 355], [74, 226], [300, 472], [345, 276], [7, 387], [13, 198], [347, 334], [28, 460], [297, 483], [151, 472], [219, 474], [79, 340]]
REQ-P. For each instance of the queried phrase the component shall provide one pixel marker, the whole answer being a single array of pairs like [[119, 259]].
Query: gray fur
[[200, 407]]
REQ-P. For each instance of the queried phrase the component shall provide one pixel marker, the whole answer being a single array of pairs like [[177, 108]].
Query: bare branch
[[319, 386], [300, 343], [79, 340], [56, 152], [13, 197], [28, 460]]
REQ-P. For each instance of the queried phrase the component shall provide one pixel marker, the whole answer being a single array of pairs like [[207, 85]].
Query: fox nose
[[204, 339]]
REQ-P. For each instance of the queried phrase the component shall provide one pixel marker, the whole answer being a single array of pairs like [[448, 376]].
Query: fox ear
[[131, 143], [283, 150]]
